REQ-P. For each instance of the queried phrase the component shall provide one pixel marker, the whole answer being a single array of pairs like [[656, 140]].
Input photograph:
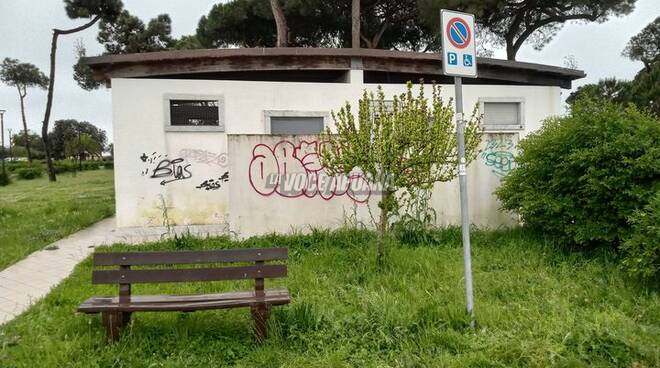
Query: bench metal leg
[[260, 314], [126, 318], [113, 321]]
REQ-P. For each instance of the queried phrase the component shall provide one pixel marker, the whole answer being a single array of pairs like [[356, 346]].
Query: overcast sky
[[25, 34]]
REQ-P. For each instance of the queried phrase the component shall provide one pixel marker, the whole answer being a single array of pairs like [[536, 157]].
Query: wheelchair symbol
[[467, 60]]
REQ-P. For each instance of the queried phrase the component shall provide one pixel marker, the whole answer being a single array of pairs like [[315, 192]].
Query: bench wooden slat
[[187, 274], [190, 257], [168, 298], [155, 303]]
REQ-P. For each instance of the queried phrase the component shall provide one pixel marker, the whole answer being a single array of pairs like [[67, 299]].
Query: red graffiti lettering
[[293, 171]]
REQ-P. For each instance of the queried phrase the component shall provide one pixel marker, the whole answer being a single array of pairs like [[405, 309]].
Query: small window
[[194, 113], [303, 125], [502, 114]]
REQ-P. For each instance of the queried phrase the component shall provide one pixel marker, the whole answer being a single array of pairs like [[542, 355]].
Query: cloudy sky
[[25, 34]]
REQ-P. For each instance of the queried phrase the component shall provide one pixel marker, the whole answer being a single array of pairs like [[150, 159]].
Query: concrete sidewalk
[[32, 278]]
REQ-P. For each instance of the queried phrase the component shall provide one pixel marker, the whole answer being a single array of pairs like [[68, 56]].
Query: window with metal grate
[[194, 113]]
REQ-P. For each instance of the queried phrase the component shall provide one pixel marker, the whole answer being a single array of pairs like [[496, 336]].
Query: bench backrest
[[125, 275]]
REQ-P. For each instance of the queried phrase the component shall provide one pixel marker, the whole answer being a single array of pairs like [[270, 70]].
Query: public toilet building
[[199, 135]]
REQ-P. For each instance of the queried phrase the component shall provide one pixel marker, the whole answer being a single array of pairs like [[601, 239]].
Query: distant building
[[202, 137]]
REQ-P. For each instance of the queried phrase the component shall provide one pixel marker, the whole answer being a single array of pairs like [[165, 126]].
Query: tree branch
[[78, 29]]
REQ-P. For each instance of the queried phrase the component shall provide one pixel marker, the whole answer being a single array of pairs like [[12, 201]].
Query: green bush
[[4, 179], [641, 251], [109, 165], [16, 165], [582, 176], [29, 173], [64, 166], [91, 165]]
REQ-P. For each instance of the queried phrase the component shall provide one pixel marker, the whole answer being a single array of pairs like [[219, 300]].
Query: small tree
[[407, 145], [22, 76], [68, 129], [82, 146]]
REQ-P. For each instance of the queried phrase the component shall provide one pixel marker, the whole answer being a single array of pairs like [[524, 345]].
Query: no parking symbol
[[459, 51]]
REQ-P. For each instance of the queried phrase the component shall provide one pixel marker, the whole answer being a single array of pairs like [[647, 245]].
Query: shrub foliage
[[641, 251], [29, 172], [4, 179], [582, 176]]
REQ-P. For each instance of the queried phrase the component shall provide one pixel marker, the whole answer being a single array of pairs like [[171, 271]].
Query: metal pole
[[11, 151], [79, 152], [462, 181], [2, 130]]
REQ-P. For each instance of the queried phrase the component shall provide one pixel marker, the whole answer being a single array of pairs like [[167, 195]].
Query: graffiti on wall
[[498, 155], [168, 170], [293, 171], [201, 156], [214, 183]]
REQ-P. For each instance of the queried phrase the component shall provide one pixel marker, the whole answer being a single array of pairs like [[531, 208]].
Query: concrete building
[[197, 133]]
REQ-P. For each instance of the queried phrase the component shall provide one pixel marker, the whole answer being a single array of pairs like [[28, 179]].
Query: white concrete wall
[[141, 143]]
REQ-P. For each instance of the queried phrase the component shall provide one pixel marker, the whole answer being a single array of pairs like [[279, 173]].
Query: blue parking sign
[[467, 60], [452, 58]]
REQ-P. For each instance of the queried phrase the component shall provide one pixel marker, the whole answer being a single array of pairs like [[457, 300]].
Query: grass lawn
[[535, 307], [34, 213]]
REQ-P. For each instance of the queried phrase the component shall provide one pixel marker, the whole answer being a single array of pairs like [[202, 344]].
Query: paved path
[[32, 278]]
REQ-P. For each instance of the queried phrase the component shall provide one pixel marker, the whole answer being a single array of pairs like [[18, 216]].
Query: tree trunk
[[382, 228], [25, 128], [51, 87], [511, 51], [280, 23], [355, 23], [49, 105]]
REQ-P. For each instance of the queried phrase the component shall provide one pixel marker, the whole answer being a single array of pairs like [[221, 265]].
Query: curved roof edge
[[181, 62]]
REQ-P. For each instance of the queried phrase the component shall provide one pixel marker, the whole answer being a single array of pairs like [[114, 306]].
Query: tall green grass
[[34, 213], [535, 307]]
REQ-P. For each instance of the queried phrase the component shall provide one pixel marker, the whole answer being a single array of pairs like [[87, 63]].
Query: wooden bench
[[116, 311]]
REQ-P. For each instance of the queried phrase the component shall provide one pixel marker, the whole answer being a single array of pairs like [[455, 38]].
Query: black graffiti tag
[[173, 169], [214, 184]]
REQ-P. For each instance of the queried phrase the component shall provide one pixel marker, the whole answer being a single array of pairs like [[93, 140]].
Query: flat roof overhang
[[180, 63]]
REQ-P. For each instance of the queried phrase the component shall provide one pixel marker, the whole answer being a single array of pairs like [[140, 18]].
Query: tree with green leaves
[[82, 146], [610, 89], [242, 23], [94, 11], [30, 142], [645, 46], [643, 91], [22, 76], [128, 34], [189, 42], [125, 35], [406, 145], [68, 129], [316, 23], [515, 22]]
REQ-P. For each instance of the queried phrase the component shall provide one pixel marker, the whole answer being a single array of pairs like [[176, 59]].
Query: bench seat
[[116, 311], [185, 303]]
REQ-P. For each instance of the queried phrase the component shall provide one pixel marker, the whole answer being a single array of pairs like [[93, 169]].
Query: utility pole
[[79, 152], [2, 133], [11, 150]]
